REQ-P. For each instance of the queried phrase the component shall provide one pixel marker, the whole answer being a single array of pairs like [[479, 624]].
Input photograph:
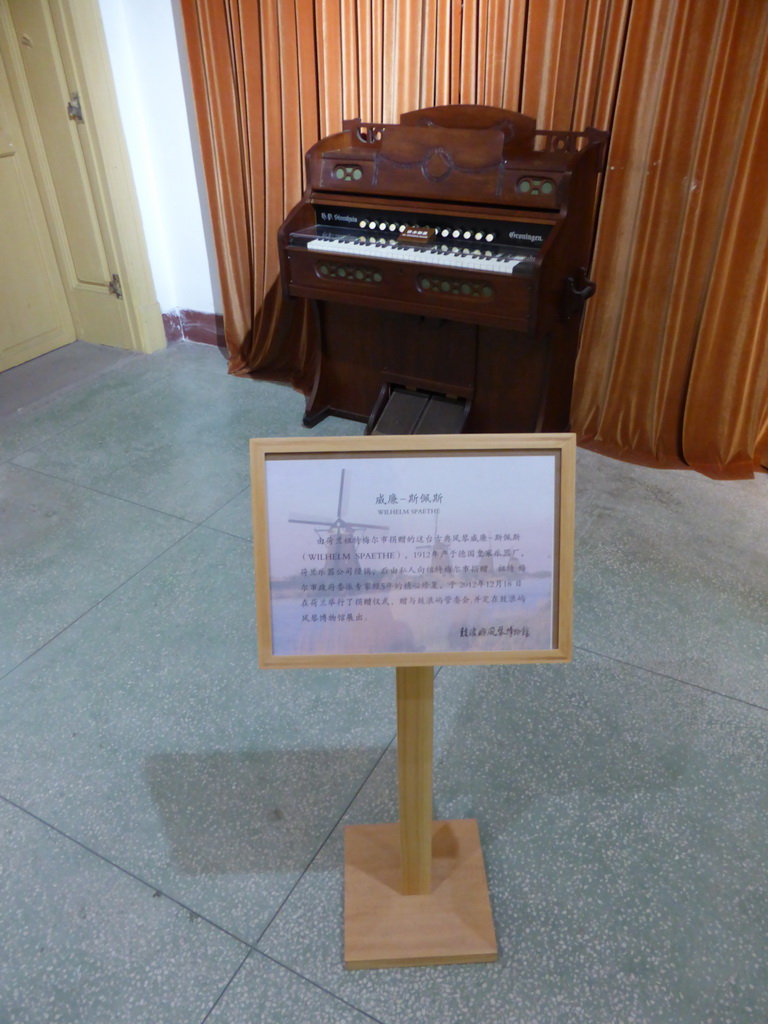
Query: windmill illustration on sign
[[340, 531]]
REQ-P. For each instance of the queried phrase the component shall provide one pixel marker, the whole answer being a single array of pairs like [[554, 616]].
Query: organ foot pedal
[[402, 410]]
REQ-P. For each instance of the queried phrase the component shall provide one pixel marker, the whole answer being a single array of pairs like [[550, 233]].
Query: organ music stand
[[415, 891]]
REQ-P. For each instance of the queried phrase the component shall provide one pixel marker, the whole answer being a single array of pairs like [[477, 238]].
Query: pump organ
[[446, 258]]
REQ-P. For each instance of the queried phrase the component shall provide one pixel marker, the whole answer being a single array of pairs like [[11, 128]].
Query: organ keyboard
[[446, 254], [499, 260], [428, 238]]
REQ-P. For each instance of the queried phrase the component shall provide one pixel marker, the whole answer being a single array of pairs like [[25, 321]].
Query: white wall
[[144, 53]]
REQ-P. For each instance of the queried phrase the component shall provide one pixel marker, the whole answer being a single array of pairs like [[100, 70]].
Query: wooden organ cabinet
[[446, 257]]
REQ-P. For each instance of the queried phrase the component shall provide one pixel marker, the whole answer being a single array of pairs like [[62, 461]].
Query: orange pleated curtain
[[672, 368]]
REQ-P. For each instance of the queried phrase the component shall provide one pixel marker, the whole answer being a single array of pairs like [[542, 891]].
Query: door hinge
[[115, 287], [74, 110]]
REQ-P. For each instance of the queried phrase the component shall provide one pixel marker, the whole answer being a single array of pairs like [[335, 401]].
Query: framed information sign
[[413, 550]]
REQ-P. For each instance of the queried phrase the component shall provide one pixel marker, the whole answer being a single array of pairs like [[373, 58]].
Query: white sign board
[[406, 551]]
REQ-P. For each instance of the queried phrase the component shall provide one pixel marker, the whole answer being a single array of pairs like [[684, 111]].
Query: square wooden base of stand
[[383, 928]]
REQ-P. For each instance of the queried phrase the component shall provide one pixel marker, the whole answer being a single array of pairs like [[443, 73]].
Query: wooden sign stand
[[331, 593], [415, 892]]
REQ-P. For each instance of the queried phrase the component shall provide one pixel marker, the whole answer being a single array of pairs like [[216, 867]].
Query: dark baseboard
[[191, 325]]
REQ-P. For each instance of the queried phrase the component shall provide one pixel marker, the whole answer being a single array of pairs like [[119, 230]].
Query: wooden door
[[35, 315], [60, 81]]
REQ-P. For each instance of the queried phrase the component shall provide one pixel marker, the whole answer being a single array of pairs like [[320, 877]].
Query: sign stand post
[[415, 702], [415, 892]]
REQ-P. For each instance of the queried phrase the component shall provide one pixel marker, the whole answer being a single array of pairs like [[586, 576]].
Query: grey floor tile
[[92, 396], [41, 379], [178, 445], [62, 549], [83, 943], [178, 440], [672, 573], [266, 991], [168, 751], [235, 517], [622, 821]]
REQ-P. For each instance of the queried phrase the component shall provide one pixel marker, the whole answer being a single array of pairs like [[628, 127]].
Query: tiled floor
[[172, 817]]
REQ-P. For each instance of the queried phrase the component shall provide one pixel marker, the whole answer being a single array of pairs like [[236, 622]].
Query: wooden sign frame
[[288, 473]]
